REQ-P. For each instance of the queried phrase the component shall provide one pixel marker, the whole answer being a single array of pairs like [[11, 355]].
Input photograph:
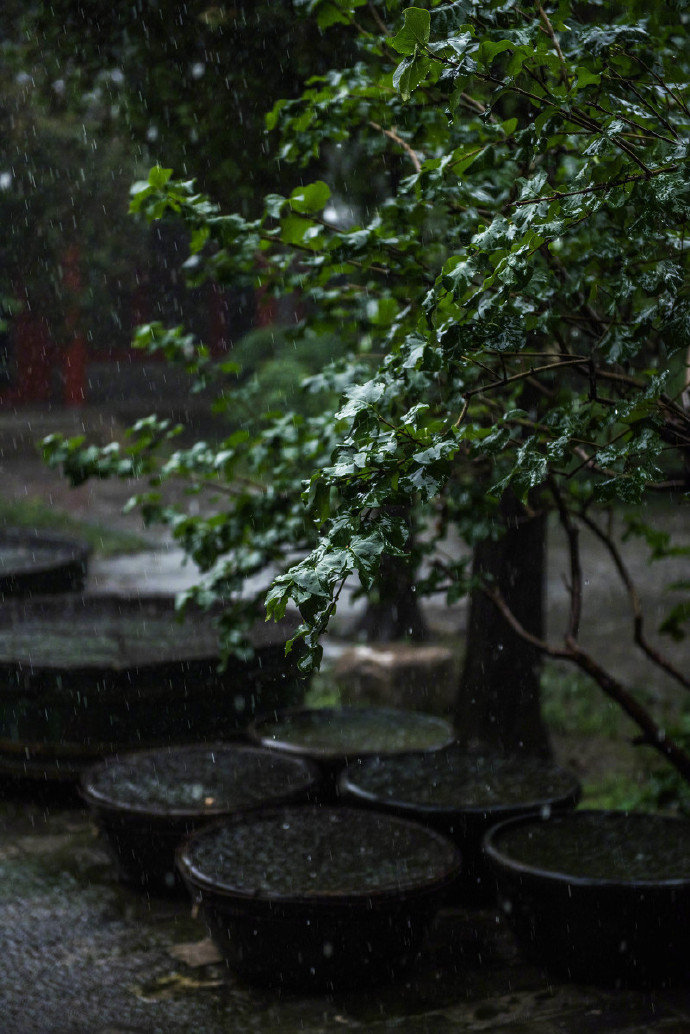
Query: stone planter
[[462, 795], [146, 803], [599, 896], [314, 898], [83, 676], [412, 676]]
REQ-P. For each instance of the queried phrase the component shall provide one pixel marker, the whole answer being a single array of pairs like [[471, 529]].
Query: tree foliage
[[517, 309], [188, 81]]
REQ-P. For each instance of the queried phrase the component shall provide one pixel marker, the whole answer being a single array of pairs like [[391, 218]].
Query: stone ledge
[[417, 677]]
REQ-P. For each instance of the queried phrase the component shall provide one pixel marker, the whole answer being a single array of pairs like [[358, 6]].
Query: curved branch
[[575, 587], [638, 618], [392, 135], [572, 652]]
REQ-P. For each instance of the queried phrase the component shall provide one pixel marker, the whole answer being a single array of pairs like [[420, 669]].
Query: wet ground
[[82, 954]]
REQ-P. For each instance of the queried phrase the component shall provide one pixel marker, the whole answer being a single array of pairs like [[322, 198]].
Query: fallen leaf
[[196, 953], [171, 985]]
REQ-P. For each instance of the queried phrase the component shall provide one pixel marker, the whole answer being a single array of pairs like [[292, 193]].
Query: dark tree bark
[[498, 703]]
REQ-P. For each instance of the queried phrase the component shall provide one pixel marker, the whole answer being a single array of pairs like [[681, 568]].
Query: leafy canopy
[[516, 308]]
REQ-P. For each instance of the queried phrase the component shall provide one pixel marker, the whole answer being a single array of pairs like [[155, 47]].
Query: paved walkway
[[83, 955]]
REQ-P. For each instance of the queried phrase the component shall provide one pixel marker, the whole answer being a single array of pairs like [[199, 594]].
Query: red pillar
[[74, 371], [34, 357]]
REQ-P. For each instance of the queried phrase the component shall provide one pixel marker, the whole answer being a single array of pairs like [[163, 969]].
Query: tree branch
[[575, 587], [558, 194], [392, 135], [572, 652], [383, 28], [638, 618], [664, 86], [643, 100], [548, 27], [502, 381]]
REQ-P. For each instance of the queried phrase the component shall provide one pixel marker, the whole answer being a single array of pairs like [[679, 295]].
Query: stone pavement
[[81, 954]]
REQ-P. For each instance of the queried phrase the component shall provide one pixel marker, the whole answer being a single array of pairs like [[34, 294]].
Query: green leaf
[[488, 50], [271, 120], [587, 78], [414, 33], [673, 624], [295, 229], [158, 177], [410, 73], [310, 198]]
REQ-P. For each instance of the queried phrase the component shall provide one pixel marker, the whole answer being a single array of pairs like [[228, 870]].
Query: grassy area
[[574, 706], [34, 513], [576, 709]]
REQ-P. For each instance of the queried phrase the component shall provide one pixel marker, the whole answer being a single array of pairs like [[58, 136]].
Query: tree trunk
[[498, 703]]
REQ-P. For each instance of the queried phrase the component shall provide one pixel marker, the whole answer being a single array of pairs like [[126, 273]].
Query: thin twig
[[652, 733], [572, 652], [549, 31], [558, 194], [463, 413], [345, 261], [575, 588], [379, 22], [638, 618], [558, 653], [647, 104], [501, 382], [392, 135], [644, 131], [664, 86], [616, 139], [579, 118]]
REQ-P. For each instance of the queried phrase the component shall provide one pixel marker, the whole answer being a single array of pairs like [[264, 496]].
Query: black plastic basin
[[598, 896], [83, 676], [315, 898], [462, 795], [33, 562], [333, 737], [146, 803]]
